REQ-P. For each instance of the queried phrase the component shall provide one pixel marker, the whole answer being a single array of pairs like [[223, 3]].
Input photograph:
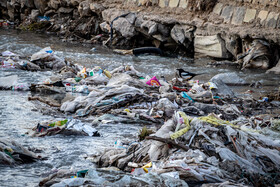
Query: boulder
[[34, 14], [3, 3], [10, 10], [74, 3], [64, 10], [151, 26], [183, 34], [123, 26], [41, 5], [212, 46], [164, 30], [49, 13], [110, 14], [275, 70], [54, 4], [84, 9], [27, 3], [105, 27], [96, 8], [131, 18]]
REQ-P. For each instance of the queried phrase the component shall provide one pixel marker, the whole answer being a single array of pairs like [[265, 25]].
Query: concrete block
[[250, 15], [163, 3], [218, 8], [263, 15], [238, 15], [173, 3], [271, 20], [227, 13], [184, 3]]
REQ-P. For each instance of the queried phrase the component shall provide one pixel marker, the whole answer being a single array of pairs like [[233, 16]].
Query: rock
[[110, 14], [230, 78], [74, 3], [275, 70], [173, 3], [63, 10], [3, 3], [34, 14], [28, 3], [232, 44], [105, 27], [262, 16], [163, 3], [212, 46], [164, 30], [49, 13], [250, 15], [151, 26], [84, 9], [227, 13], [271, 20], [182, 34], [131, 18], [10, 10], [41, 5], [238, 15], [96, 8], [218, 8], [123, 26], [54, 4]]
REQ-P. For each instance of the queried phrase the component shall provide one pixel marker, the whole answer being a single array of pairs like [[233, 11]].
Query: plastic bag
[[8, 82], [153, 82], [42, 54]]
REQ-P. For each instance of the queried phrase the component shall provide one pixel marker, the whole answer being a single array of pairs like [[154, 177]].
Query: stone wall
[[238, 15], [236, 12]]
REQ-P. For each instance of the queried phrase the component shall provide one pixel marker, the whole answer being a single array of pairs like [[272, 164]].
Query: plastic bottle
[[107, 73]]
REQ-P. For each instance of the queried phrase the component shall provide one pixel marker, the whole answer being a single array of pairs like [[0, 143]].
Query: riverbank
[[120, 105], [246, 33]]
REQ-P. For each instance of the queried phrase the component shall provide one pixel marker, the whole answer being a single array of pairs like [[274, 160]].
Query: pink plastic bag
[[153, 82]]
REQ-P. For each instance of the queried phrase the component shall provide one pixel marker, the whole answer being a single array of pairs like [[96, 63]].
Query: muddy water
[[18, 115]]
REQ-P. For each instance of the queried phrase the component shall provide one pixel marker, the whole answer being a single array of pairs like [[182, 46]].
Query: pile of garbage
[[12, 153], [65, 127], [205, 132], [45, 59]]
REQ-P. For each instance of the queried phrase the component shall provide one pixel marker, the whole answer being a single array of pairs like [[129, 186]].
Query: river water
[[18, 115]]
